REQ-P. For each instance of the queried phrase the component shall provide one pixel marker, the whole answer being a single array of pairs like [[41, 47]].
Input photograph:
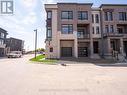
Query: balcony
[[114, 34], [82, 36], [2, 46], [83, 31], [48, 22]]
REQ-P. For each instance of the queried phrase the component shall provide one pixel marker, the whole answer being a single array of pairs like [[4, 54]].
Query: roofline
[[96, 9], [112, 5], [3, 30], [15, 38], [76, 3], [50, 4]]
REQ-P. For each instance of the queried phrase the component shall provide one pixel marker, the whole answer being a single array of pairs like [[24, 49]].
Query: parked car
[[14, 54]]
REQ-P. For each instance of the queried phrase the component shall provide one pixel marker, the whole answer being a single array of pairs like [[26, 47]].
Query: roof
[[14, 39], [3, 31], [76, 3], [113, 5]]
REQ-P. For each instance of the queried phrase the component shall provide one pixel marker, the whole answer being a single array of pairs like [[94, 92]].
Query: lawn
[[41, 59]]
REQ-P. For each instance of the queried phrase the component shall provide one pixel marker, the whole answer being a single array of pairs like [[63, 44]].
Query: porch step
[[95, 56]]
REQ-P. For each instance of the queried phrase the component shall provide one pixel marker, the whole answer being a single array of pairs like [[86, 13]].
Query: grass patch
[[41, 59]]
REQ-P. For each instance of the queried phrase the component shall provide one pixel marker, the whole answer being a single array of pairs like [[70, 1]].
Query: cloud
[[31, 18], [29, 3]]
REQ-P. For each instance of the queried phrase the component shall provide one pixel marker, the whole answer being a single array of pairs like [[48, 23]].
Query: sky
[[30, 15]]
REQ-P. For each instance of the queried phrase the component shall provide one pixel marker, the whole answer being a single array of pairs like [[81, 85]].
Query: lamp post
[[35, 41]]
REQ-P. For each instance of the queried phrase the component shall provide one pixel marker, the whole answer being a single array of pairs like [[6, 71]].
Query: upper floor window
[[49, 15], [1, 35], [1, 42], [108, 16], [120, 30], [49, 32], [92, 18], [67, 15], [97, 30], [122, 16], [82, 15], [97, 18], [67, 29], [93, 30], [111, 29], [106, 29]]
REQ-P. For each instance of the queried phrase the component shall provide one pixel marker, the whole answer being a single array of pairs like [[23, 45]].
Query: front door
[[125, 47], [82, 51], [1, 52]]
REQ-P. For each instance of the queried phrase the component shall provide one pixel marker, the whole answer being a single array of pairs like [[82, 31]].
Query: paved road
[[20, 77]]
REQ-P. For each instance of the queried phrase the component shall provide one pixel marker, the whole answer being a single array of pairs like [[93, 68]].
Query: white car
[[14, 54]]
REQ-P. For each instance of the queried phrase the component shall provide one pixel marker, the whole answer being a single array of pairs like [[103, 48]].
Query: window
[[108, 16], [97, 30], [92, 18], [49, 15], [83, 15], [111, 29], [97, 18], [106, 29], [1, 35], [67, 15], [120, 30], [93, 30], [67, 29], [122, 16], [51, 49], [49, 32], [1, 42]]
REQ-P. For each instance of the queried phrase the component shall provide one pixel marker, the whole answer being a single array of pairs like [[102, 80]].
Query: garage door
[[66, 51]]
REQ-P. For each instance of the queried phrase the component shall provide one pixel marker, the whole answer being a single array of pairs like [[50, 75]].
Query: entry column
[[121, 46], [75, 48]]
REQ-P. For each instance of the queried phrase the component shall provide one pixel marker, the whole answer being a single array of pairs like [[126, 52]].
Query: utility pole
[[35, 42]]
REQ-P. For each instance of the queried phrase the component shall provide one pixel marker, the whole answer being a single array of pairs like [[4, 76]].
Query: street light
[[35, 41]]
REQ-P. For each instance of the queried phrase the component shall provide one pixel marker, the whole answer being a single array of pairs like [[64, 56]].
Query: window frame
[[49, 28], [106, 29], [68, 26], [81, 16], [111, 28], [49, 18], [97, 18], [68, 15], [123, 16], [97, 30]]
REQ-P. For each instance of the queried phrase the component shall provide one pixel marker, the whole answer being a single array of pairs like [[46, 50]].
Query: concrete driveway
[[20, 77]]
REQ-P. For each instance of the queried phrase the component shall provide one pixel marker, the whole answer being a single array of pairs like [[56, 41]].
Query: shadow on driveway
[[88, 60], [97, 62]]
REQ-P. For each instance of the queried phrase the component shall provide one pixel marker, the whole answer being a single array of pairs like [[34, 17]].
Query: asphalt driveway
[[20, 77]]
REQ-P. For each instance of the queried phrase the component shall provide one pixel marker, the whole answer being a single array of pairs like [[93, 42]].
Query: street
[[20, 77]]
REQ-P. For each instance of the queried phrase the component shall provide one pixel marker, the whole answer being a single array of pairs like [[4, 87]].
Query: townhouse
[[80, 30], [3, 34]]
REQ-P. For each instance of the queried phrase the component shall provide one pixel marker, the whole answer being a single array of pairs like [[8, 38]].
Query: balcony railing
[[114, 34], [2, 46], [83, 36]]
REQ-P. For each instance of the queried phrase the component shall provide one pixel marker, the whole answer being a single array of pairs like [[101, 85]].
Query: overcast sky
[[30, 14]]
